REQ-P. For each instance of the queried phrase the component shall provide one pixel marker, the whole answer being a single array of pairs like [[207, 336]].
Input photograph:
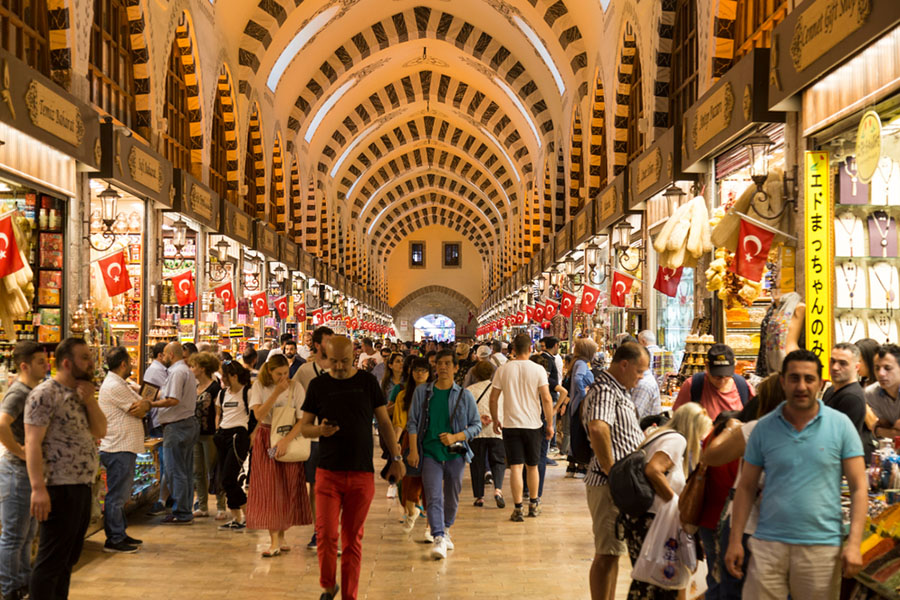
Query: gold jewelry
[[888, 292]]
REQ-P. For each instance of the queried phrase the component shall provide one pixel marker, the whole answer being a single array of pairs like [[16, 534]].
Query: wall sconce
[[673, 196], [758, 147], [622, 246], [572, 278], [108, 201], [251, 278], [592, 258], [216, 271]]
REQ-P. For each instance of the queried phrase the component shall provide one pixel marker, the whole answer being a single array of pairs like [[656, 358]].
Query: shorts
[[523, 446], [603, 517], [311, 463]]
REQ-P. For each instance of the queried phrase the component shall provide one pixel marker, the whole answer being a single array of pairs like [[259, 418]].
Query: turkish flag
[[550, 309], [392, 332], [225, 293], [260, 304], [115, 275], [566, 304], [10, 259], [185, 292], [281, 306], [538, 313], [667, 280], [520, 318], [326, 317], [752, 251], [529, 312], [317, 316], [621, 285], [589, 299], [300, 312]]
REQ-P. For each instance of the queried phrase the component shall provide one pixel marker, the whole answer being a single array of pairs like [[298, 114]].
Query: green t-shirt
[[438, 423]]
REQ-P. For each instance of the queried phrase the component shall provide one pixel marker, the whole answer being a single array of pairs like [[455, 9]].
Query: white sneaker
[[439, 551], [392, 491], [428, 537], [447, 541], [410, 522]]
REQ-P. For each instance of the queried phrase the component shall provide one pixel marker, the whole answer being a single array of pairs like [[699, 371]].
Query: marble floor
[[544, 558]]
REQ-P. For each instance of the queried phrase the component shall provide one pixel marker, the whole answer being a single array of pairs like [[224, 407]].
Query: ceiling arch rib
[[459, 98], [556, 15], [422, 23], [434, 196], [423, 216], [427, 154]]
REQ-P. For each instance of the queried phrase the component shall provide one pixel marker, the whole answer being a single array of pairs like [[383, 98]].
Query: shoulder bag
[[690, 502], [283, 420]]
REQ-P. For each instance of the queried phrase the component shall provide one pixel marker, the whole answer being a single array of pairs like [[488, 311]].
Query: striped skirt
[[277, 499]]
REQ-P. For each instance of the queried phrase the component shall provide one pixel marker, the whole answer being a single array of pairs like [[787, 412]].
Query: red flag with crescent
[[185, 292], [667, 280], [550, 309], [538, 313], [566, 304], [281, 306], [589, 299], [621, 285], [225, 293], [317, 316], [10, 259], [327, 316], [752, 251], [520, 318], [300, 312], [113, 269], [529, 312], [260, 304]]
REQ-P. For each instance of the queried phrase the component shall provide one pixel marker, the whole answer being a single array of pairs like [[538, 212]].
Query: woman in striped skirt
[[278, 498]]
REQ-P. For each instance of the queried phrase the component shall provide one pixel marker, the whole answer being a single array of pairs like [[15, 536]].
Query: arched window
[[218, 151], [25, 32], [635, 111], [683, 90], [753, 24], [250, 179], [178, 137], [110, 72]]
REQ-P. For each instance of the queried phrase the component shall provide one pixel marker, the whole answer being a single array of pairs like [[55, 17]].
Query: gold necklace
[[888, 292]]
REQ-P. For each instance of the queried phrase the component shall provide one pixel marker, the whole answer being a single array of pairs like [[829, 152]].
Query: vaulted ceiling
[[409, 113]]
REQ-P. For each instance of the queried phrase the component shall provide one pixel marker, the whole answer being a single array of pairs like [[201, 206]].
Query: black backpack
[[698, 379], [629, 488]]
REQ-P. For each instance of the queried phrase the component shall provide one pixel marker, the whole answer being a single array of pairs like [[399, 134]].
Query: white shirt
[[363, 357], [307, 372], [304, 351], [673, 446], [124, 432], [484, 407], [520, 381], [259, 395], [234, 413], [273, 352], [559, 366], [498, 359]]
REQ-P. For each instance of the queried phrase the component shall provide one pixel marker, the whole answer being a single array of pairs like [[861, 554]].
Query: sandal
[[326, 595], [271, 553], [479, 502], [285, 548]]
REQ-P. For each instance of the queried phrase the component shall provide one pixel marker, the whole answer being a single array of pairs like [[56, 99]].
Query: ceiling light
[[297, 44], [542, 51], [515, 99], [326, 108]]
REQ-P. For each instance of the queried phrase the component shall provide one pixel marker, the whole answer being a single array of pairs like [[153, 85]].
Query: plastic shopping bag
[[659, 561]]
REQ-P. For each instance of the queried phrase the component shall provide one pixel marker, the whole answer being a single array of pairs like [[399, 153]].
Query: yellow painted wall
[[403, 281]]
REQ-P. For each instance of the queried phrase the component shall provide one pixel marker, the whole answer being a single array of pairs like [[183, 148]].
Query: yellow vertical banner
[[819, 216]]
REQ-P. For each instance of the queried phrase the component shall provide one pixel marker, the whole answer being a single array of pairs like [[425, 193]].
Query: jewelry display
[[852, 190], [850, 292], [882, 235], [851, 236], [882, 328], [849, 327], [881, 183], [883, 291]]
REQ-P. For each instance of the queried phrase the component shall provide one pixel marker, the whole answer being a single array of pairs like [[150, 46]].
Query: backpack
[[629, 488], [698, 379]]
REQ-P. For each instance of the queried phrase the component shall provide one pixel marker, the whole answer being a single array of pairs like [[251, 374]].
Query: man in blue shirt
[[804, 447]]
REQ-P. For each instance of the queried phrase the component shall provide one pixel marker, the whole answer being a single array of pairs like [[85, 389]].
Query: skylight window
[[515, 99], [297, 44], [353, 145], [542, 51], [326, 107]]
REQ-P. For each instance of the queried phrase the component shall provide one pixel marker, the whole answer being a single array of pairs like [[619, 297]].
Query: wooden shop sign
[[195, 200], [289, 254], [134, 166], [236, 224], [563, 240], [53, 113], [713, 116], [649, 170], [266, 240], [612, 202], [584, 224]]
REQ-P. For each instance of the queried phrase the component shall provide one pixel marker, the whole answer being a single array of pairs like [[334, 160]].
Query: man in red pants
[[345, 400]]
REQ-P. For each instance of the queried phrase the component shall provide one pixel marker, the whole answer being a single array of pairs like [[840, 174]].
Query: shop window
[[417, 254], [753, 24], [218, 153], [25, 32], [683, 90], [110, 72], [178, 137], [451, 254], [635, 111]]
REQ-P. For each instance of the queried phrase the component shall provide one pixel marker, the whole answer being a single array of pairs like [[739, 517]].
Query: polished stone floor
[[543, 558]]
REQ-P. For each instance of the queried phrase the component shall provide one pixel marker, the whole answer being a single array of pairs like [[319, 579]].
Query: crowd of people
[[283, 437]]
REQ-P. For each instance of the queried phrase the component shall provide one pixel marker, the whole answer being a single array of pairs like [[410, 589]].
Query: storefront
[[658, 189], [622, 314], [237, 228], [731, 135], [267, 273], [293, 287]]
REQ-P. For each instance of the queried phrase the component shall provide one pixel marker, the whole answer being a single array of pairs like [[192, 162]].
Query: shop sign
[[608, 204], [201, 203], [584, 222], [822, 25], [819, 255], [195, 200], [649, 169], [713, 116], [236, 224], [868, 146], [289, 253], [54, 114], [266, 240], [547, 257], [306, 263], [145, 169], [133, 165], [563, 240]]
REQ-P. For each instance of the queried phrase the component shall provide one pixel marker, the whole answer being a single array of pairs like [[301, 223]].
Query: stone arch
[[576, 162], [547, 220], [225, 91], [556, 16], [278, 208], [311, 217], [435, 299], [663, 60], [140, 62], [59, 26], [627, 58], [185, 39], [598, 174], [431, 198], [722, 54], [255, 170], [296, 229]]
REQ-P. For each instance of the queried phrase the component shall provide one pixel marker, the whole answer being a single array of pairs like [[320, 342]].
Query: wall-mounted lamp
[[673, 196], [758, 148], [216, 271], [592, 260], [622, 246], [108, 204], [251, 277]]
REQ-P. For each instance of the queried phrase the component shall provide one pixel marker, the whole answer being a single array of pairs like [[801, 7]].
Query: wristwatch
[[397, 458]]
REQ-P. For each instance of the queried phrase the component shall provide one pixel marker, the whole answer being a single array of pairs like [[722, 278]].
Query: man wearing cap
[[718, 388], [483, 353]]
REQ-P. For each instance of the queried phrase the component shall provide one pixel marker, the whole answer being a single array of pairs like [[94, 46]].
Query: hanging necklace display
[[882, 328], [847, 326], [849, 293], [882, 235], [854, 243], [852, 190], [881, 182], [886, 276]]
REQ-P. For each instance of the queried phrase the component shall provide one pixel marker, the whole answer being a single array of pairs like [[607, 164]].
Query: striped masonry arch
[[184, 38], [576, 161], [225, 89], [547, 220], [140, 61], [257, 167], [278, 200], [623, 94], [59, 27], [296, 220], [598, 173], [665, 31], [723, 37]]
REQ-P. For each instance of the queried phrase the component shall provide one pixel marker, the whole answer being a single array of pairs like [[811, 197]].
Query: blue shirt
[[645, 395], [801, 503], [181, 385]]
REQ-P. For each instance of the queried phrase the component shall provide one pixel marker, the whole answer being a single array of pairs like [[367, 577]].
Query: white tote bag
[[283, 420], [659, 561]]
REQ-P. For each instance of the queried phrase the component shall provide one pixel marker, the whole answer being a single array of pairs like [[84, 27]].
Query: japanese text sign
[[819, 255]]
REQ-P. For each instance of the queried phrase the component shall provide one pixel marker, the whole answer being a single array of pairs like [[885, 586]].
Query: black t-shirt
[[350, 403], [851, 400]]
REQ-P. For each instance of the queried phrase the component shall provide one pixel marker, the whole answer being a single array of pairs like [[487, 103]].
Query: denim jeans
[[708, 539], [178, 447], [730, 587], [18, 525], [119, 483], [442, 482]]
